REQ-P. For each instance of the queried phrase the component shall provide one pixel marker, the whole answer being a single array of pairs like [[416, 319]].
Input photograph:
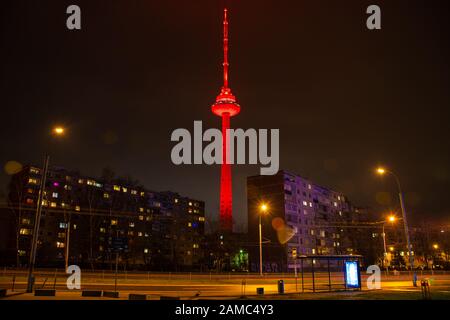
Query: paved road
[[207, 285]]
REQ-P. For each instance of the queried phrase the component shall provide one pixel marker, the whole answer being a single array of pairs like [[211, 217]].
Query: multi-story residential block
[[82, 217], [302, 215]]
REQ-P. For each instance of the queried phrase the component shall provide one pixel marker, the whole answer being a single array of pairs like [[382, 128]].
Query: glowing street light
[[59, 131], [263, 210], [392, 219], [435, 246], [382, 171]]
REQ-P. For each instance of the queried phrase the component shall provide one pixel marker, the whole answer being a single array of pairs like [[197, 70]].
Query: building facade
[[83, 217], [302, 217]]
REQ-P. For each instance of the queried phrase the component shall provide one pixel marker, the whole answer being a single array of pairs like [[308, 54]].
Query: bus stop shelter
[[346, 268]]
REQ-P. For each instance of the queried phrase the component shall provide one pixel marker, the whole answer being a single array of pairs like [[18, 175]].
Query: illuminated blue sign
[[352, 279]]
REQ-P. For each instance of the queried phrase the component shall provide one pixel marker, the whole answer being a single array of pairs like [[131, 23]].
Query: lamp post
[[57, 131], [392, 220], [383, 171], [263, 210]]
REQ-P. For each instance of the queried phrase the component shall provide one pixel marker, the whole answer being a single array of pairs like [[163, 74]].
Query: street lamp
[[263, 210], [391, 219], [382, 171], [57, 131]]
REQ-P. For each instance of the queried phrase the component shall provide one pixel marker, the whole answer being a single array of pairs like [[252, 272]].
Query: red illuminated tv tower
[[225, 107]]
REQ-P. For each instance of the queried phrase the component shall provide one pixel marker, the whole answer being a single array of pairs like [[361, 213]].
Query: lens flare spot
[[277, 223], [12, 167], [285, 234], [383, 198]]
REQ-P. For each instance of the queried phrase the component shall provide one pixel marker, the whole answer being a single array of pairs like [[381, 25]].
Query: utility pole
[[37, 221]]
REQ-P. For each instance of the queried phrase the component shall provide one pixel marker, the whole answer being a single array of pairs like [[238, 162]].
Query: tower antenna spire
[[225, 48]]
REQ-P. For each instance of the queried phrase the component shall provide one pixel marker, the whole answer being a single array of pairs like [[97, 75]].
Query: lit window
[[131, 224], [80, 181], [142, 193], [335, 204], [188, 253], [77, 208], [100, 248], [44, 203], [26, 221], [116, 188], [106, 195], [195, 246], [22, 253], [309, 186], [134, 192], [146, 234], [311, 232], [189, 224], [60, 244], [63, 225], [130, 233], [145, 250], [61, 235], [32, 181], [201, 218], [305, 212], [25, 231], [313, 251], [310, 204], [141, 209], [114, 222], [124, 189], [74, 227], [53, 204], [139, 234], [141, 218], [34, 170], [29, 201], [339, 198], [176, 200], [305, 203], [102, 230], [190, 203]]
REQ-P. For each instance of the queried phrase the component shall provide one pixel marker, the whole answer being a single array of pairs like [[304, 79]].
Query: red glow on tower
[[225, 107]]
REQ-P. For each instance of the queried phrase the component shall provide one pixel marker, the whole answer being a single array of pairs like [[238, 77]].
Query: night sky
[[344, 98]]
